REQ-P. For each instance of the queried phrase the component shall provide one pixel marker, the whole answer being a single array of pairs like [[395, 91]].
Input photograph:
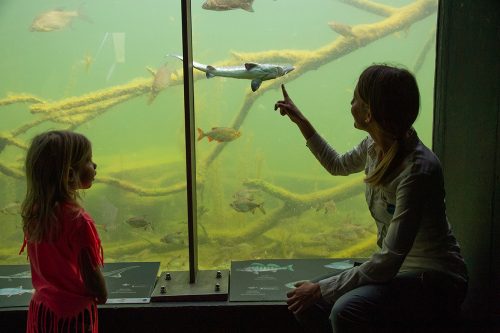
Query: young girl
[[418, 275], [64, 248]]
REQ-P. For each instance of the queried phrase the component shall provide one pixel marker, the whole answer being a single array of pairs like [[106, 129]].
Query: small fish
[[178, 237], [257, 268], [139, 222], [15, 291], [222, 5], [161, 79], [327, 207], [251, 71], [87, 62], [102, 226], [245, 205], [56, 19], [13, 208], [219, 134], [245, 193], [202, 210]]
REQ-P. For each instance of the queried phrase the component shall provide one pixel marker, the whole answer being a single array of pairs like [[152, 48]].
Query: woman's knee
[[354, 311]]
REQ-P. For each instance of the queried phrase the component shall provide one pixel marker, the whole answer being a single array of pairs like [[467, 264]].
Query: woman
[[418, 274]]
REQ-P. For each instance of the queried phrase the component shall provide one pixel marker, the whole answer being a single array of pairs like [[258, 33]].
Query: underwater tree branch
[[139, 190], [337, 193], [295, 204], [20, 98], [305, 61], [423, 53], [372, 7], [11, 172]]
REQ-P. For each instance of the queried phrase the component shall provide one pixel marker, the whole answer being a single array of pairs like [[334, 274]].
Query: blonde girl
[[63, 245]]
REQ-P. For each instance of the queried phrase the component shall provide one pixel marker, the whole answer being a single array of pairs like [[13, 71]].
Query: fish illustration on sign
[[343, 264], [117, 273], [223, 5], [161, 79], [257, 268], [219, 134], [15, 291], [56, 19], [251, 71], [22, 275], [245, 205]]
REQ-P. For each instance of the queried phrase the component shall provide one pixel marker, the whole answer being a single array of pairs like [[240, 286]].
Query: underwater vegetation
[[261, 205]]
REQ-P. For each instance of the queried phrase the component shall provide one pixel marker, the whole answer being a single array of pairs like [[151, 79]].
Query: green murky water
[[92, 76]]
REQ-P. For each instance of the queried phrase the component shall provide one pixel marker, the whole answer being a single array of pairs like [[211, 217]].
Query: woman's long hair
[[394, 100], [52, 164]]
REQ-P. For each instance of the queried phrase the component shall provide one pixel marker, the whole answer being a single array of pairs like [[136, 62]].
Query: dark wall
[[466, 139]]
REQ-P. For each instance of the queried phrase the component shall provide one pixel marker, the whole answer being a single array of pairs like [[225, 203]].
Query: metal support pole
[[187, 53]]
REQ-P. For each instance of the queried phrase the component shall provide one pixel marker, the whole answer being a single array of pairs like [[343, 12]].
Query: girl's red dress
[[60, 302]]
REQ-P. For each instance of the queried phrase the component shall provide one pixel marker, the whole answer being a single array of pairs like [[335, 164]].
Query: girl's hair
[[394, 100], [52, 164]]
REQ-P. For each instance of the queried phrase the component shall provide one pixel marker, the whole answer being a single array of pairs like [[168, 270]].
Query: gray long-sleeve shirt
[[409, 211]]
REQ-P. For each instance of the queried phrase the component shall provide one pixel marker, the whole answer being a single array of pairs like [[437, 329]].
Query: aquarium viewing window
[[241, 174]]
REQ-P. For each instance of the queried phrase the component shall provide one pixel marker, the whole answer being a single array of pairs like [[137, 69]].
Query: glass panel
[[262, 194], [100, 69]]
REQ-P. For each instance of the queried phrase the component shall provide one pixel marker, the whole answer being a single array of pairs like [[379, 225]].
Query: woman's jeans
[[410, 300]]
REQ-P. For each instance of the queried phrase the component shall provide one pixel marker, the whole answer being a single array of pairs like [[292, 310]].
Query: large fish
[[251, 71], [220, 5], [161, 79], [56, 19]]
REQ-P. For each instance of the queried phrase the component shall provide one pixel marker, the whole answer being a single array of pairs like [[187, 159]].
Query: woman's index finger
[[285, 94]]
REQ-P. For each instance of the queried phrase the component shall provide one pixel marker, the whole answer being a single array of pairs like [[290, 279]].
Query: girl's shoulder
[[72, 213], [68, 209]]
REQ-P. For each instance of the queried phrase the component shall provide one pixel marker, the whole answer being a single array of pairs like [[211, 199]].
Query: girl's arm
[[93, 278]]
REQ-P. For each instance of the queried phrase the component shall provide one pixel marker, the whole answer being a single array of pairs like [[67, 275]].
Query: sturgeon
[[250, 71]]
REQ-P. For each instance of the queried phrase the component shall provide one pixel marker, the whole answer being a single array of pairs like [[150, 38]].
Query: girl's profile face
[[87, 172]]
